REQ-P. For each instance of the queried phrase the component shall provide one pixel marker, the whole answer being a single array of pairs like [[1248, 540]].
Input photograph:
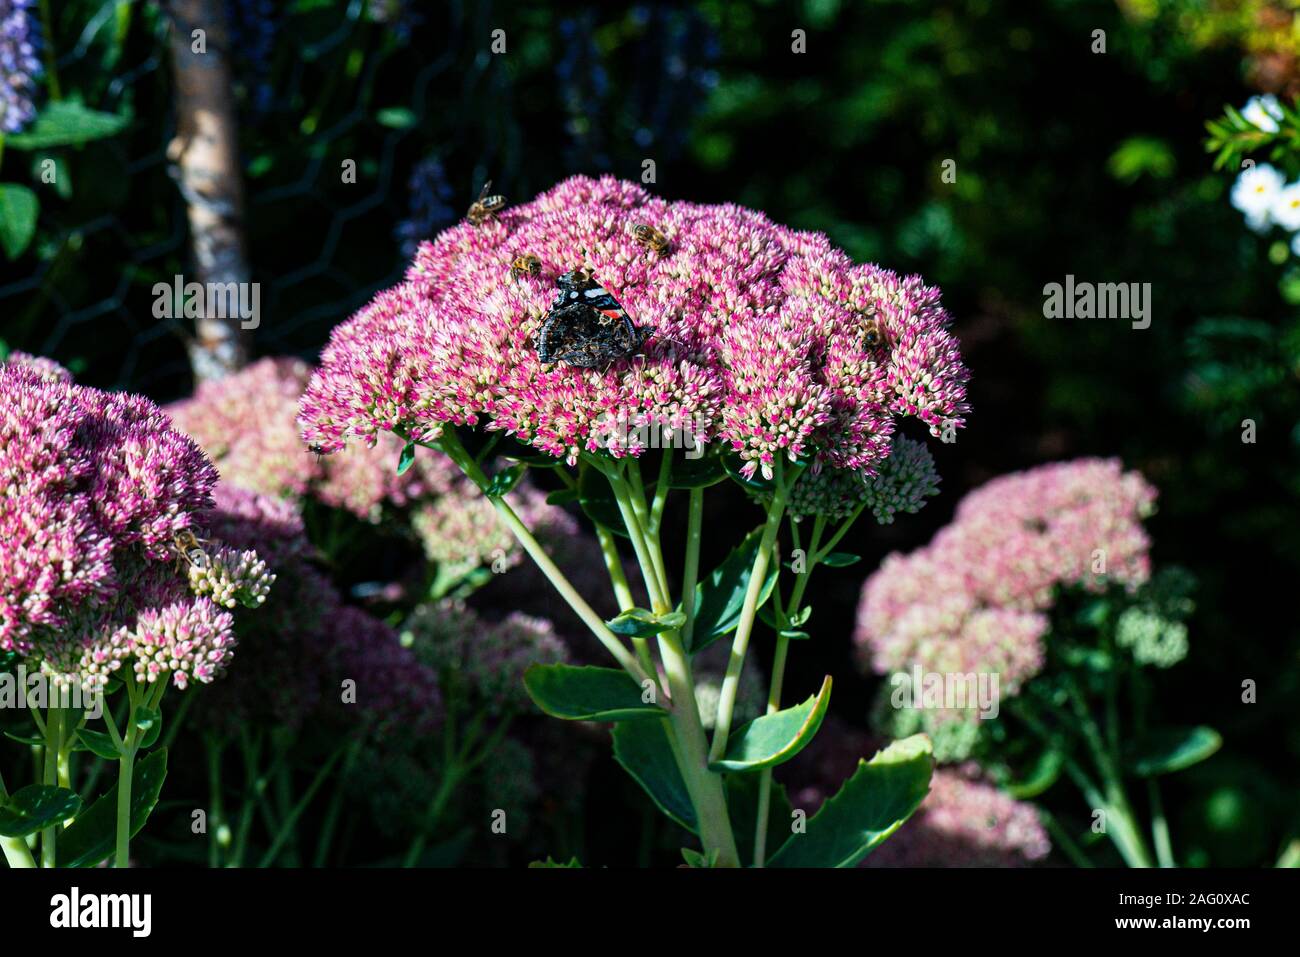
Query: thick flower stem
[[748, 612], [703, 786]]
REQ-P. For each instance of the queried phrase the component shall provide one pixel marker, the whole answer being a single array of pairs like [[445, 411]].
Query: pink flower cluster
[[96, 487], [246, 423], [966, 822], [757, 337], [975, 599]]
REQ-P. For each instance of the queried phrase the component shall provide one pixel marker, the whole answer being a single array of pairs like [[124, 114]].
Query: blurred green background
[[1067, 161]]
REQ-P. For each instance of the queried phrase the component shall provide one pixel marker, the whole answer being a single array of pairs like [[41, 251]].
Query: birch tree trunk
[[205, 160]]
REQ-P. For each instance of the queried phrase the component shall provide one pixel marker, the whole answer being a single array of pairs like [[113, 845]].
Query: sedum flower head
[[966, 822], [486, 658], [901, 483], [94, 487], [246, 423], [757, 337], [975, 599], [1152, 638], [231, 577], [19, 64]]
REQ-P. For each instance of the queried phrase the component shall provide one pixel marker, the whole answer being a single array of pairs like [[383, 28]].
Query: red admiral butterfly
[[586, 327]]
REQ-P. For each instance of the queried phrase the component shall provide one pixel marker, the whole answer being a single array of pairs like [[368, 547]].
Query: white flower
[[1254, 193], [1263, 112], [1285, 210], [1295, 245]]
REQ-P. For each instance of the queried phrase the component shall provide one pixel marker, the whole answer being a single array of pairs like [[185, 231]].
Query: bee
[[650, 237], [485, 206], [871, 333], [189, 549], [525, 265]]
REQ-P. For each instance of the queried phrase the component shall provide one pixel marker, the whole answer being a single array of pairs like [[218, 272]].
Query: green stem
[[1062, 839], [450, 444], [691, 566], [748, 612], [614, 565], [778, 680], [47, 52], [690, 744], [704, 787], [450, 778], [53, 747], [287, 825], [217, 839], [662, 488], [1160, 827]]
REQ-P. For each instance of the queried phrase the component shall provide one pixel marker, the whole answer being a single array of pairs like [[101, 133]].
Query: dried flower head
[[755, 337]]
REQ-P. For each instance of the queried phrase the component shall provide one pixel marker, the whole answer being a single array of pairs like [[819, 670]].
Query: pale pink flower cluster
[[758, 338], [246, 423], [976, 598], [231, 577], [966, 822]]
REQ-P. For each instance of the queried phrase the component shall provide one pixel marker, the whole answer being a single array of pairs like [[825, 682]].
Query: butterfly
[[586, 327]]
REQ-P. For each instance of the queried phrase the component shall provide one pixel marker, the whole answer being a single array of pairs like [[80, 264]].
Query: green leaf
[[25, 739], [742, 809], [644, 751], [1041, 776], [407, 458], [871, 805], [150, 723], [587, 693], [562, 496], [36, 806], [698, 472], [99, 743], [1172, 749], [505, 480], [572, 862], [93, 835], [840, 560], [775, 738], [719, 598], [65, 124], [597, 500], [695, 859], [640, 623], [18, 209]]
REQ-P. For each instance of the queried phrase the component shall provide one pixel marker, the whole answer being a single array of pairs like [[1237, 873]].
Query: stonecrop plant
[[638, 347], [110, 592], [1015, 635]]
